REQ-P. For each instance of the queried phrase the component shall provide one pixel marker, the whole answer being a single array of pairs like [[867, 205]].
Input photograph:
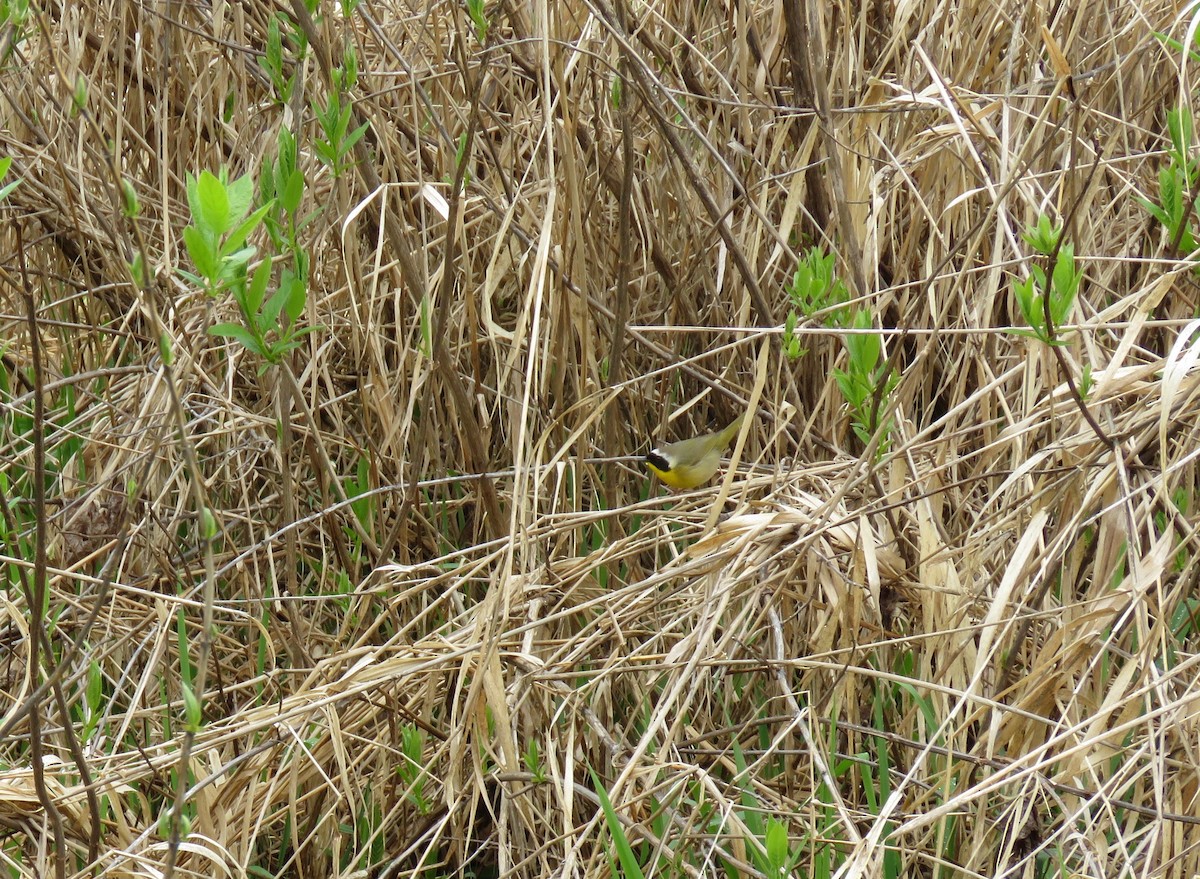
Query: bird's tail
[[731, 431]]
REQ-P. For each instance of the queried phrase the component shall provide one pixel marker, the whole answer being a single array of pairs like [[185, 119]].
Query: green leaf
[[1179, 126], [269, 319], [1023, 292], [1042, 236], [752, 817], [412, 744], [129, 194], [95, 685], [1086, 382], [238, 333], [208, 524], [257, 288], [353, 138], [303, 331], [296, 300], [851, 392], [192, 278], [239, 235], [137, 270], [233, 263], [629, 864], [864, 348], [791, 344], [777, 846], [193, 710], [266, 182], [201, 247], [241, 195], [165, 350], [275, 305], [327, 115], [210, 207], [273, 59], [287, 151], [325, 152], [1039, 278], [1066, 284], [293, 191], [80, 97], [1154, 210], [343, 123], [1170, 195], [478, 18]]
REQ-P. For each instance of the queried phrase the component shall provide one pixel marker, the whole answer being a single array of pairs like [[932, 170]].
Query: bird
[[691, 462]]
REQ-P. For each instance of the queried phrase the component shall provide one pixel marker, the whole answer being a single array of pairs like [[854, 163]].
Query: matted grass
[[400, 602]]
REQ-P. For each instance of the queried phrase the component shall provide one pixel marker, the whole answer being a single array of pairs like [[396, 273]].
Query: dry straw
[[437, 595]]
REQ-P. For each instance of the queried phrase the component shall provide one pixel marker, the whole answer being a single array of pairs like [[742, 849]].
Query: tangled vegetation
[[333, 334]]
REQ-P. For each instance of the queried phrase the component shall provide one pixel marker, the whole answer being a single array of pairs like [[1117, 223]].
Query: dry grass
[[970, 650]]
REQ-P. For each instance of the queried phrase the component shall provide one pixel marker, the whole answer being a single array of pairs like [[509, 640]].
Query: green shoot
[[1035, 295]]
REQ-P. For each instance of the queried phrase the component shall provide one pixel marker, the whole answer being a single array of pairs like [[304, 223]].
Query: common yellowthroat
[[692, 462]]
